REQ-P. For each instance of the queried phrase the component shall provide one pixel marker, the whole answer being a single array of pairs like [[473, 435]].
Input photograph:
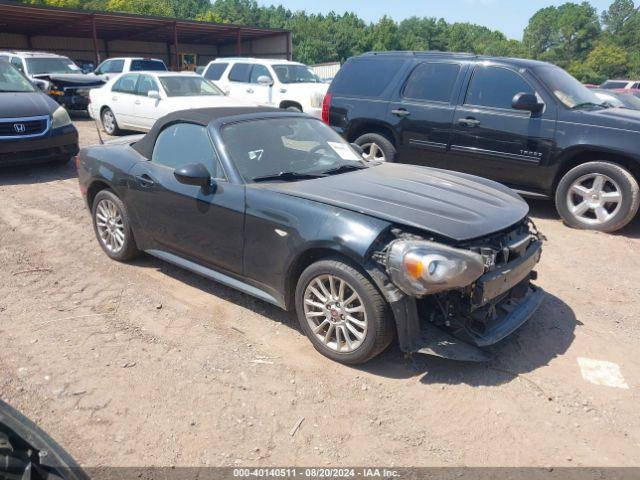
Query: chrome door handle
[[401, 112], [469, 122], [249, 90], [145, 180]]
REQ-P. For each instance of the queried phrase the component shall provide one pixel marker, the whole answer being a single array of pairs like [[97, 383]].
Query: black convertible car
[[278, 205]]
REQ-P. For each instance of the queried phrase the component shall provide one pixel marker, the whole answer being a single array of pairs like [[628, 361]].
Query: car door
[[146, 109], [239, 86], [203, 226], [122, 99], [422, 112], [262, 94], [493, 140]]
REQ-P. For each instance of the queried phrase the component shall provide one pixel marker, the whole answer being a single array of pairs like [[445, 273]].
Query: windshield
[[266, 147], [37, 66], [148, 66], [192, 86], [566, 88], [295, 74], [12, 81]]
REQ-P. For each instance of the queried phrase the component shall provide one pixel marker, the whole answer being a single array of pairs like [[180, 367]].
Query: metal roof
[[34, 20]]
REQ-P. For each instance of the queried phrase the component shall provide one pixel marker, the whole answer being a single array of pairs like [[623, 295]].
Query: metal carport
[[98, 35]]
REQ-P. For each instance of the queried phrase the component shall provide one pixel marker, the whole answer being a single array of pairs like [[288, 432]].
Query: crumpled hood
[[449, 204], [71, 79], [26, 104]]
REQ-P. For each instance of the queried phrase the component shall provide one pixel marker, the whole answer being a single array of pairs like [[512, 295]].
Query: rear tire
[[112, 227], [357, 310], [599, 195], [109, 122], [376, 148]]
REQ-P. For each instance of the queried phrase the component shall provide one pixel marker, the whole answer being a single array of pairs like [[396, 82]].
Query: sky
[[508, 16]]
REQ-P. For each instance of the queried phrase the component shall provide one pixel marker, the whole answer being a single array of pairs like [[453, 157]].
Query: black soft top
[[199, 116]]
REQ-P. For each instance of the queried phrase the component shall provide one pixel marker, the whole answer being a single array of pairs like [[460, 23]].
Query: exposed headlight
[[316, 100], [422, 268], [60, 118]]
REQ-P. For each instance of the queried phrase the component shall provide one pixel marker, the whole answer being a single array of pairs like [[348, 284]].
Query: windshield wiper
[[343, 169], [287, 176], [587, 104]]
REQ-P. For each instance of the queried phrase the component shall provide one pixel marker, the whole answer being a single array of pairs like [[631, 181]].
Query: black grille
[[19, 128]]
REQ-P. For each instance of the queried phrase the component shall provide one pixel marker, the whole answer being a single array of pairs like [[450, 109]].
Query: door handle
[[249, 90], [145, 180], [115, 99], [137, 102], [469, 122], [401, 112]]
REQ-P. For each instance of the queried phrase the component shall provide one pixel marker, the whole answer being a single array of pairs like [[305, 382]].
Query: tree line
[[592, 46]]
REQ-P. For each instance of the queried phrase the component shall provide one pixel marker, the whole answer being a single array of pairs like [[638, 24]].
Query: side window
[[495, 87], [176, 139], [240, 72], [432, 82], [367, 77], [103, 67], [258, 71], [146, 84], [17, 62], [126, 84], [116, 66], [215, 71]]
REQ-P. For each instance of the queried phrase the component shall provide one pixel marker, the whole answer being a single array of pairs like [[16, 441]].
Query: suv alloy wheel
[[598, 196]]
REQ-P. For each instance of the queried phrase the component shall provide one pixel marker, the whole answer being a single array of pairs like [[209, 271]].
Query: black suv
[[525, 123]]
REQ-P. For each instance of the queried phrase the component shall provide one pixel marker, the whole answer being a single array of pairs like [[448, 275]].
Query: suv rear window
[[240, 72], [215, 71], [148, 65], [611, 84], [432, 82], [365, 77]]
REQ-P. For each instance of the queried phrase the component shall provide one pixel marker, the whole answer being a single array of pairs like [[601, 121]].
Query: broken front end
[[452, 300]]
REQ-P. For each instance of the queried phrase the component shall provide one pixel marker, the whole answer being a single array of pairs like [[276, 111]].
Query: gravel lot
[[148, 365]]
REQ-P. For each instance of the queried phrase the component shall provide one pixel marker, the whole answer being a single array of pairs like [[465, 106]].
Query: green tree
[[608, 60], [189, 8], [384, 35], [159, 8], [617, 15], [562, 34]]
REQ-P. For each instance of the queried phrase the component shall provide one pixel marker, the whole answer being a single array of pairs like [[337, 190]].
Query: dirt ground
[[144, 364]]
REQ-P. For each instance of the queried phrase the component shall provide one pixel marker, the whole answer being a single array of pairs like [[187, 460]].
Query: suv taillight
[[326, 106]]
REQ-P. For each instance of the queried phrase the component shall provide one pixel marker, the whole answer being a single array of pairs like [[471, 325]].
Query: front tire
[[342, 313], [599, 196], [112, 227], [109, 122], [377, 148]]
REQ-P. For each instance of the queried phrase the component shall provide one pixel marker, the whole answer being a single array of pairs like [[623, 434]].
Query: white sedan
[[134, 101]]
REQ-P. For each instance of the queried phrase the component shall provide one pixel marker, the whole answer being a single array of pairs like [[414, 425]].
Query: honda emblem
[[19, 127]]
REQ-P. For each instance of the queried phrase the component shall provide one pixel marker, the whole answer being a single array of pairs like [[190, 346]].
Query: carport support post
[[175, 45], [289, 56], [239, 43], [94, 35]]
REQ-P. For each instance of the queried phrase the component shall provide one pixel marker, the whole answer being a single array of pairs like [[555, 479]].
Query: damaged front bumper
[[458, 325]]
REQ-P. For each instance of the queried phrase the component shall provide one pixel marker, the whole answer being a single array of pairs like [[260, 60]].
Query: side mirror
[[194, 174], [528, 102], [358, 149], [265, 80], [153, 94]]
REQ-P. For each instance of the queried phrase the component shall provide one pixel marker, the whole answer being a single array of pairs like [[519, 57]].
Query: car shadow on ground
[[37, 173], [547, 335]]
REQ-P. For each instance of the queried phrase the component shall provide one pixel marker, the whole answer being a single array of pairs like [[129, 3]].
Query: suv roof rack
[[426, 53]]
